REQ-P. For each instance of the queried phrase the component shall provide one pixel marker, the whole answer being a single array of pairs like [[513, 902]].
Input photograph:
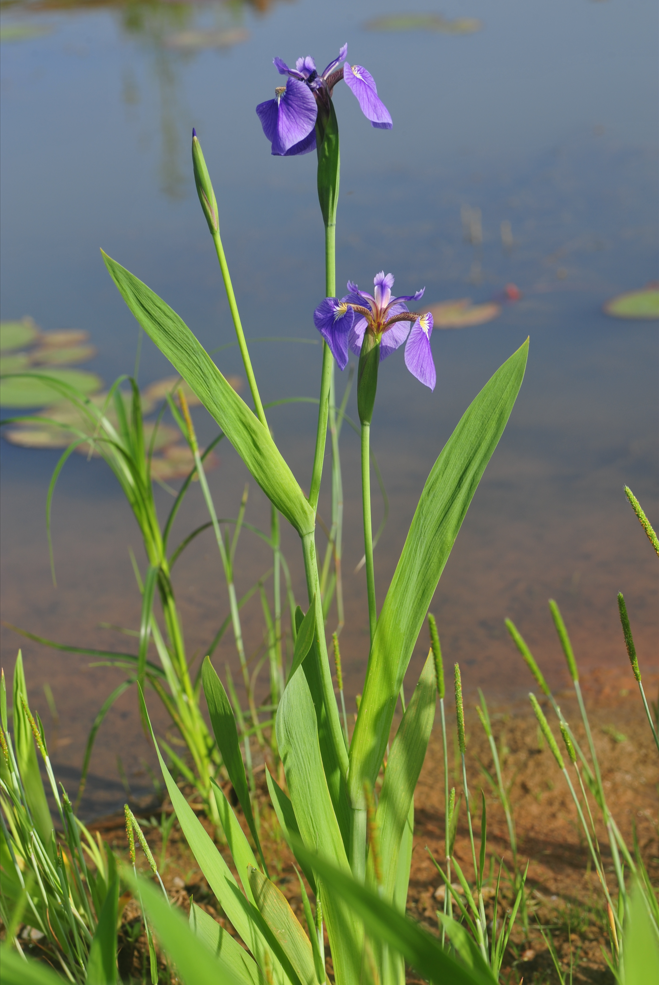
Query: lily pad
[[23, 32], [177, 462], [29, 391], [642, 304], [15, 363], [64, 337], [35, 436], [424, 22], [50, 355], [164, 437], [17, 334], [195, 40], [462, 314]]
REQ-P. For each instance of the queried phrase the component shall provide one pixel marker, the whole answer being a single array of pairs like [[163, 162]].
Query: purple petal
[[343, 54], [267, 113], [408, 297], [306, 66], [393, 338], [364, 300], [383, 285], [362, 85], [304, 147], [356, 336], [334, 322], [283, 69], [296, 116], [418, 354]]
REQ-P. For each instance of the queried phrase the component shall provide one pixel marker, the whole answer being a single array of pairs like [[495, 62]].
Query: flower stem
[[368, 529], [240, 335], [327, 375]]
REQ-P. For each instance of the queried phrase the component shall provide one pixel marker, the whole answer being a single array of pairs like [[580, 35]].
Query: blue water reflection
[[545, 120]]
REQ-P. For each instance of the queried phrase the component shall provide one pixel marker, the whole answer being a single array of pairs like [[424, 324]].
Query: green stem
[[327, 375], [240, 335], [368, 529]]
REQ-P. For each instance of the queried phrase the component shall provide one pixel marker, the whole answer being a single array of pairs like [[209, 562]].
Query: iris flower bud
[[204, 186]]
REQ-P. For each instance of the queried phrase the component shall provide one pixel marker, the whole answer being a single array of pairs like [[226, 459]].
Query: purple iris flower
[[343, 322], [289, 120]]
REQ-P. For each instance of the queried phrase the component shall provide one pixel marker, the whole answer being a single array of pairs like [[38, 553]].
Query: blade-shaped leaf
[[277, 913], [287, 820], [387, 925], [240, 848], [196, 964], [19, 971], [404, 764], [220, 942], [640, 944], [251, 440], [306, 630], [226, 736], [241, 912], [150, 582], [444, 501], [26, 757], [465, 945], [297, 738], [102, 963]]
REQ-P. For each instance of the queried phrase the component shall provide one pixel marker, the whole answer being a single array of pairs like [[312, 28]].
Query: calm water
[[546, 119]]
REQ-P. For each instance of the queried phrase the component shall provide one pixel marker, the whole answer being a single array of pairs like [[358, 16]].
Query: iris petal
[[418, 354], [393, 338], [334, 322], [362, 85], [304, 147], [306, 66], [343, 54], [296, 116], [283, 69], [356, 336]]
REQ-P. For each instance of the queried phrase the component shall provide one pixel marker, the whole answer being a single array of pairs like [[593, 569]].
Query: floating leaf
[[28, 391], [51, 355], [16, 334], [177, 462], [635, 304], [46, 436], [424, 22], [462, 314], [193, 40], [23, 32], [64, 337], [161, 389], [14, 363], [164, 436]]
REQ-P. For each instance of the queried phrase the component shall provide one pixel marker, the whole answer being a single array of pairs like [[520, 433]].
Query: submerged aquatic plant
[[289, 120]]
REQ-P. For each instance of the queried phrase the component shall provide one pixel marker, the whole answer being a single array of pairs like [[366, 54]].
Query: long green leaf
[[243, 915], [221, 943], [287, 820], [465, 945], [19, 971], [249, 437], [387, 925], [442, 507], [196, 964], [226, 736], [297, 739], [640, 944], [306, 631], [150, 582], [277, 913], [240, 848], [26, 758], [402, 773], [102, 963]]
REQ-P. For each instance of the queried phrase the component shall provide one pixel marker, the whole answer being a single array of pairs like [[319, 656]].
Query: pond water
[[544, 120]]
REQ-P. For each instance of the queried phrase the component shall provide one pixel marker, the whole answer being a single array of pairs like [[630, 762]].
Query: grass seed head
[[527, 656], [337, 661], [459, 709], [437, 656], [629, 639], [546, 731]]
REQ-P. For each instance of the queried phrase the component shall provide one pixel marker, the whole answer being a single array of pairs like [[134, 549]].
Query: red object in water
[[512, 292]]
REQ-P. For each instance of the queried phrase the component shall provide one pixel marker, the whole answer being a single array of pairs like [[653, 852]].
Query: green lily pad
[[15, 363], [424, 22], [642, 304], [462, 314], [17, 334], [196, 39], [23, 32], [64, 337], [54, 356], [36, 436], [29, 391]]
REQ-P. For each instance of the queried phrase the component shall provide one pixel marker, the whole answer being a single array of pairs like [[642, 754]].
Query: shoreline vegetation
[[295, 849]]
